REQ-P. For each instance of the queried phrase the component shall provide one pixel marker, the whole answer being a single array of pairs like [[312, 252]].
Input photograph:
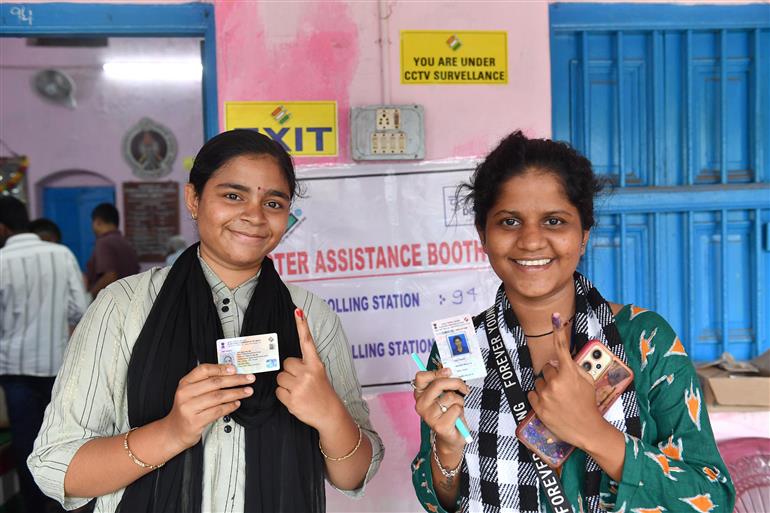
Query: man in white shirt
[[41, 295]]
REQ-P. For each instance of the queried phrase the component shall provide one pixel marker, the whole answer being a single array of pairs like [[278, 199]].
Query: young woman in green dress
[[653, 451]]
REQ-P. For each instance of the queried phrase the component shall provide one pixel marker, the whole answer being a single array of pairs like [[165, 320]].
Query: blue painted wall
[[672, 105]]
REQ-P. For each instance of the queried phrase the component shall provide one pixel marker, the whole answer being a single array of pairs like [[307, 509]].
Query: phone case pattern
[[609, 384]]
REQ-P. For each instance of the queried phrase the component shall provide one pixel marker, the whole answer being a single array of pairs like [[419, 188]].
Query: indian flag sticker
[[280, 114], [454, 42]]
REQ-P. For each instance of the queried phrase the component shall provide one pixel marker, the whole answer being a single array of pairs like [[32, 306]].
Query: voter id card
[[458, 347], [250, 355]]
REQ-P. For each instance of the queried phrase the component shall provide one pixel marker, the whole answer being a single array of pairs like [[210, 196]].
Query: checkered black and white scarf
[[498, 475]]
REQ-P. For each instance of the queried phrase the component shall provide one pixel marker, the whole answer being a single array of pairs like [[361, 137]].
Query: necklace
[[544, 334]]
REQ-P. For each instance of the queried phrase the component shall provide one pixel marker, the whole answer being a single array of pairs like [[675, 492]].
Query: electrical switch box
[[387, 132]]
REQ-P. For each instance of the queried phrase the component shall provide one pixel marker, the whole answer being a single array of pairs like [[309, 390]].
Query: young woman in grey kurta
[[89, 398], [145, 419]]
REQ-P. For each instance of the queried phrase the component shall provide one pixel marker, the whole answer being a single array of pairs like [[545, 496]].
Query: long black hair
[[222, 148], [517, 154]]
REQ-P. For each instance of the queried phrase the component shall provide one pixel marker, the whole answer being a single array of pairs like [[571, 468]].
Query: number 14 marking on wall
[[22, 14]]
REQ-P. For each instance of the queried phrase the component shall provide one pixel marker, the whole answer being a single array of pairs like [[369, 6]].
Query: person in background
[[174, 247], [46, 229], [533, 203], [113, 257], [143, 416], [41, 295], [49, 231]]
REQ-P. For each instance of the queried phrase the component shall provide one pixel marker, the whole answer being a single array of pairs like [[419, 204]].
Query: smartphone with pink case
[[611, 377]]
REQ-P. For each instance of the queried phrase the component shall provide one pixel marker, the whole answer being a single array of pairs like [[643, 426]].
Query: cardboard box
[[724, 389]]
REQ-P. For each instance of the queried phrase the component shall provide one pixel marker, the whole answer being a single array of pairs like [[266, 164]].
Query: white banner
[[389, 253]]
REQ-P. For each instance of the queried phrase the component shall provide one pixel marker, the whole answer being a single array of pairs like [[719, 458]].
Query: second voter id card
[[458, 347], [250, 355]]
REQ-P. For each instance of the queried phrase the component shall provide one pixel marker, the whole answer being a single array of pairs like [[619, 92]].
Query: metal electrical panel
[[387, 132]]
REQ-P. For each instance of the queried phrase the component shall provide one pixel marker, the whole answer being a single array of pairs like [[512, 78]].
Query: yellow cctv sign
[[307, 129], [446, 57]]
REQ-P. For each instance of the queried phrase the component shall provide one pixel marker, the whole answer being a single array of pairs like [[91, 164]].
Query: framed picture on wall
[[150, 149]]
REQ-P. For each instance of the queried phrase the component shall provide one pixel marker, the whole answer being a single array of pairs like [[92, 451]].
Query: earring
[[193, 217]]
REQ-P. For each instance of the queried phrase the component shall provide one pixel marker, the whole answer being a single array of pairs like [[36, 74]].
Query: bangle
[[445, 472], [134, 458], [348, 455]]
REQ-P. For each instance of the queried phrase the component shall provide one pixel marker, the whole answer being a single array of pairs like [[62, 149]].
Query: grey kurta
[[89, 398]]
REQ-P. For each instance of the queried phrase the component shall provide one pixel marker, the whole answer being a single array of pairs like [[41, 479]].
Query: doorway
[[70, 208], [71, 32]]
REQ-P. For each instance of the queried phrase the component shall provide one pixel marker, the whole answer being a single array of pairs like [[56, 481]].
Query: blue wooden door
[[70, 208], [672, 106]]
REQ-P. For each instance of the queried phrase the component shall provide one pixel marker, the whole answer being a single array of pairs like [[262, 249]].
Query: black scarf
[[284, 468], [593, 319]]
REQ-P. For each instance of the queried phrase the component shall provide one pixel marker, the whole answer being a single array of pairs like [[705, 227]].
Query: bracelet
[[134, 458], [445, 472], [348, 455]]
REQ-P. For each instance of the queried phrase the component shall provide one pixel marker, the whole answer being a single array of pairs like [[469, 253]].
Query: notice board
[[151, 216]]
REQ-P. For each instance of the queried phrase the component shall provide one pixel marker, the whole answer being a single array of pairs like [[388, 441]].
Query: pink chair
[[748, 461]]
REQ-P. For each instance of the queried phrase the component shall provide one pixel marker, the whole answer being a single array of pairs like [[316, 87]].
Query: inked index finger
[[560, 341], [207, 370], [306, 342]]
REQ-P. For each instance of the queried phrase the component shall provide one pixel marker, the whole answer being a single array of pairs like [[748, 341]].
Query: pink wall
[[331, 51]]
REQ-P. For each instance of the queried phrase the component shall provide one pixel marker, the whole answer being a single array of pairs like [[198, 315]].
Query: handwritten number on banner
[[459, 296]]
